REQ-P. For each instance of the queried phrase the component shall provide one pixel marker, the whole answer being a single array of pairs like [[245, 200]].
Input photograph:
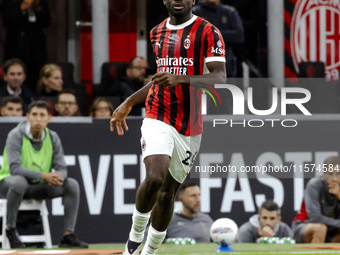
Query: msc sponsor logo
[[218, 51]]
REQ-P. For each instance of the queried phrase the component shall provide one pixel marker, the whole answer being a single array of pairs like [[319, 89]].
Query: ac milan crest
[[143, 145], [315, 34], [187, 43]]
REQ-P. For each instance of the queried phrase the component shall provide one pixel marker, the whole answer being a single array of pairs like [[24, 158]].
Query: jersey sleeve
[[215, 48]]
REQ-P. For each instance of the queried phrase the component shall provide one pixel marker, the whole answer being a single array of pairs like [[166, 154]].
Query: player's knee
[[71, 186], [153, 182], [320, 229], [18, 184], [315, 230]]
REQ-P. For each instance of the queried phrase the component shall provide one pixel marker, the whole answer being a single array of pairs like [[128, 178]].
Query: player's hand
[[118, 118], [266, 232], [165, 79], [52, 178], [334, 187]]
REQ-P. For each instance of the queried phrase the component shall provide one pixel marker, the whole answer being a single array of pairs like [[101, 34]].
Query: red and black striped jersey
[[182, 50]]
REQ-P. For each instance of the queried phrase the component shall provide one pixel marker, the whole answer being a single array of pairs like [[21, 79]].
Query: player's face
[[15, 76], [12, 110], [191, 199], [179, 9], [269, 218], [38, 118], [333, 174], [332, 177]]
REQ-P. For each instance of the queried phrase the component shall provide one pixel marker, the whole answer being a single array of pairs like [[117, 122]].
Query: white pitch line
[[276, 252]]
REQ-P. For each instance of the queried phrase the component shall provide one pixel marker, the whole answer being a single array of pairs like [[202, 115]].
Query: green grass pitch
[[209, 248]]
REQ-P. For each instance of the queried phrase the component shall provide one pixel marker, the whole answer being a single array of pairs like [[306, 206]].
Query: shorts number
[[189, 160]]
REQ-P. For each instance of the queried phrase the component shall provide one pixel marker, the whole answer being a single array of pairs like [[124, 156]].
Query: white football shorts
[[161, 138]]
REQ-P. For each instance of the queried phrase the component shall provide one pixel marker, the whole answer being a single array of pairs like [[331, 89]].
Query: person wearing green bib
[[34, 168]]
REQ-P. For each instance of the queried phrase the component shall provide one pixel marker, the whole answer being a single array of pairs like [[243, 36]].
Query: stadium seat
[[311, 70], [68, 72], [28, 205], [110, 72], [79, 89]]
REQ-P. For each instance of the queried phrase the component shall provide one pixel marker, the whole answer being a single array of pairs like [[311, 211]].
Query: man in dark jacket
[[14, 76], [228, 21], [25, 21]]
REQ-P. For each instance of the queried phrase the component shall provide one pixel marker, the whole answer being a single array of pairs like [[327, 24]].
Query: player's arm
[[217, 74], [313, 206], [122, 111]]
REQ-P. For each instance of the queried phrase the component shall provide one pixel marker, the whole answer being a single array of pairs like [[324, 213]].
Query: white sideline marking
[[277, 252], [46, 252]]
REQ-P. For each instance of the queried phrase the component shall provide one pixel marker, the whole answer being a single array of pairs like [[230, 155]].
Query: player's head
[[189, 194], [38, 115], [136, 69], [12, 106], [269, 214], [179, 9], [331, 169]]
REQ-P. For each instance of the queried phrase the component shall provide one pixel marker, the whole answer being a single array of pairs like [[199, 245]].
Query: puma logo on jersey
[[159, 44]]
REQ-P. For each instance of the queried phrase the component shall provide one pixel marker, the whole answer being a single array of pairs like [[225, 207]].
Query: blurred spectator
[[254, 18], [129, 84], [318, 221], [67, 104], [14, 77], [50, 82], [102, 108], [134, 79], [11, 106], [190, 222], [228, 21], [25, 21], [265, 224]]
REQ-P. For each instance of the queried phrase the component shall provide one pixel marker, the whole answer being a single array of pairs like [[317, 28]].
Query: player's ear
[[193, 2], [164, 1]]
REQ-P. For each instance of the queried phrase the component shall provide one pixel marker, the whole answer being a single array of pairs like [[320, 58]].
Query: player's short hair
[[12, 62], [186, 184], [11, 99], [271, 206], [332, 162], [39, 104]]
